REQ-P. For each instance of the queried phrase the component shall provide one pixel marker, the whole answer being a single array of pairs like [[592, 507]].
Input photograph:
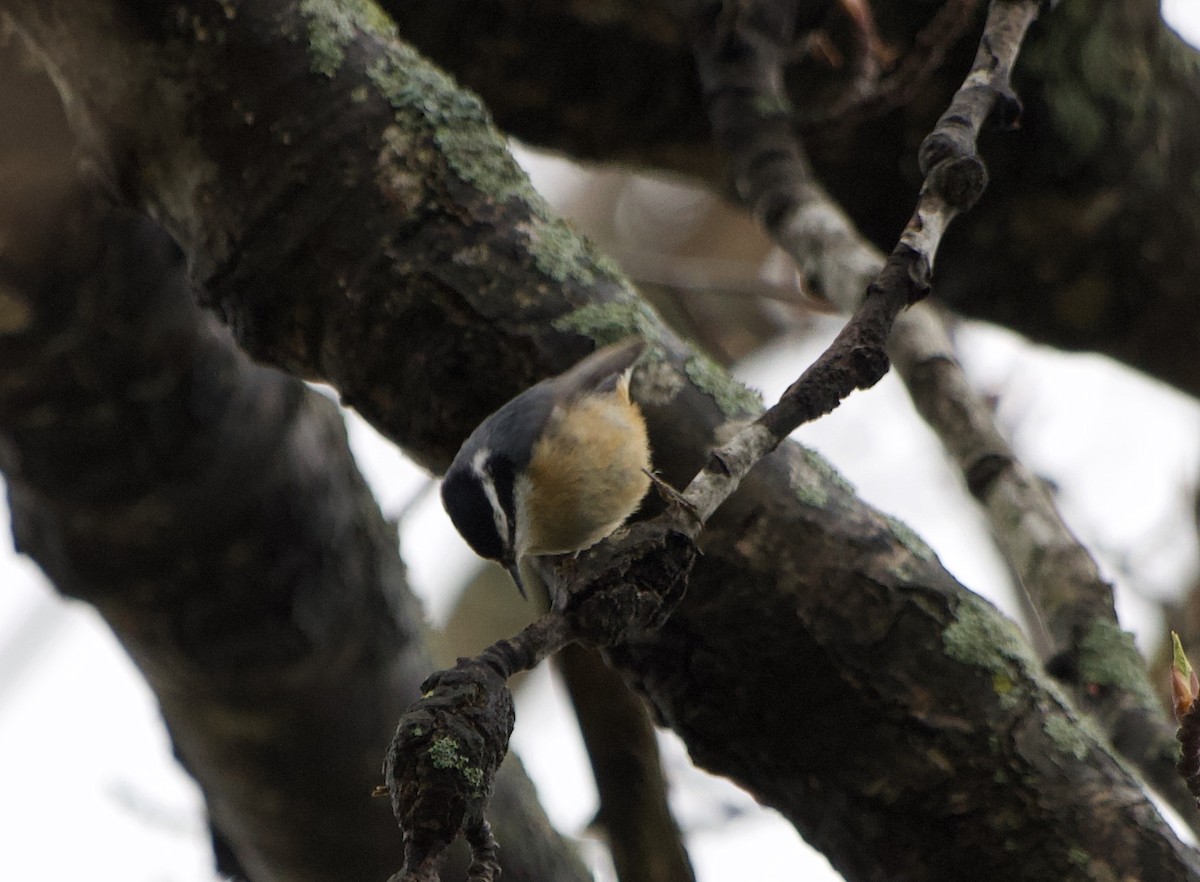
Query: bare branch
[[741, 61], [210, 510], [1090, 652]]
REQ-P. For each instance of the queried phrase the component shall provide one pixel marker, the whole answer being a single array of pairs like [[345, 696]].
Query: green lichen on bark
[[333, 24], [812, 477], [1109, 657], [808, 488], [910, 539], [432, 109], [735, 400], [423, 97], [564, 255], [445, 753], [426, 99], [1067, 736], [982, 637], [610, 322]]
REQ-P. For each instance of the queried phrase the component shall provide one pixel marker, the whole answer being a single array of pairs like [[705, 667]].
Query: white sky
[[135, 817]]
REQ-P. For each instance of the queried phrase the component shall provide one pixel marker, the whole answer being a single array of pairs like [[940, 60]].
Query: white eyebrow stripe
[[479, 467]]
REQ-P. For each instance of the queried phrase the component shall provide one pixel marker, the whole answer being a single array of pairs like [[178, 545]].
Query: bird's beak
[[514, 570]]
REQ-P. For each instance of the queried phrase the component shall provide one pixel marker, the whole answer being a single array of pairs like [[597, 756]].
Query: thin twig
[[538, 640]]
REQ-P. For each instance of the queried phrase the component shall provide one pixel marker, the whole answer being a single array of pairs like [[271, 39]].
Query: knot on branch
[[951, 139], [442, 762], [959, 182], [904, 280], [981, 474], [871, 363], [953, 170], [626, 587]]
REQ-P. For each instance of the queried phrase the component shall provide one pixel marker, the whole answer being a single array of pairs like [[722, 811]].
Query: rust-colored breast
[[585, 476]]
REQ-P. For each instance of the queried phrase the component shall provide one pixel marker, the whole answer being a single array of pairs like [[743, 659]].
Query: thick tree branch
[[1088, 230], [210, 510], [741, 67]]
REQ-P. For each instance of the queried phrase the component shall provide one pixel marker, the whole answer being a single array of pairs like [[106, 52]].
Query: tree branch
[[645, 841], [913, 721], [1090, 652], [209, 509], [1089, 230]]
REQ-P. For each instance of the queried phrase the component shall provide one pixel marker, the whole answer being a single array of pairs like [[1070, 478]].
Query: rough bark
[[210, 510], [822, 659], [740, 57]]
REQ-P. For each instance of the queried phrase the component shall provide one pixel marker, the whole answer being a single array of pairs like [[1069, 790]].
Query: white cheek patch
[[479, 467], [521, 503]]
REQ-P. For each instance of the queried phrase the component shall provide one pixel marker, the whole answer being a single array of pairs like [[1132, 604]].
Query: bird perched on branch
[[557, 468]]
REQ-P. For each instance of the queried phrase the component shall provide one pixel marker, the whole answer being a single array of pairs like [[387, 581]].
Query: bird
[[555, 469]]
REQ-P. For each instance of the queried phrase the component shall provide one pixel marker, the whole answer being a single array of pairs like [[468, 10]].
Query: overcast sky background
[[1123, 450]]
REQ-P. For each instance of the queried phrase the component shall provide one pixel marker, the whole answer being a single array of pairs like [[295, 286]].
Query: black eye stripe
[[469, 509]]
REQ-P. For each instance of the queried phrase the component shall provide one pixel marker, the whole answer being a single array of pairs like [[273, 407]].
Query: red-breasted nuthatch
[[557, 468]]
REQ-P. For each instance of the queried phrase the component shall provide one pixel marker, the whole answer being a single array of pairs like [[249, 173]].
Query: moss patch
[[1067, 736], [810, 489], [477, 154], [813, 476], [910, 539], [424, 97], [564, 255]]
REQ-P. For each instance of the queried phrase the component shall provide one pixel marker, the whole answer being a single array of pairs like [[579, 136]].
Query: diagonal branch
[[742, 78], [1089, 651], [210, 509]]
